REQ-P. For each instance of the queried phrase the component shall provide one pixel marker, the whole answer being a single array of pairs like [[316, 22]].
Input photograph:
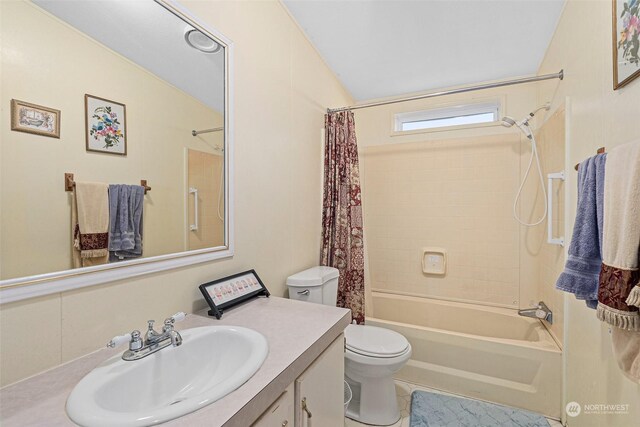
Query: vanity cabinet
[[305, 363], [319, 391], [281, 413], [316, 396]]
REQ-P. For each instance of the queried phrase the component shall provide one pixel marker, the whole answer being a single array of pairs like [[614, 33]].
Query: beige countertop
[[297, 333]]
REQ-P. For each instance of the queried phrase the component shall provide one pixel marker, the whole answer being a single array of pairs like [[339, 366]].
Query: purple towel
[[582, 269]]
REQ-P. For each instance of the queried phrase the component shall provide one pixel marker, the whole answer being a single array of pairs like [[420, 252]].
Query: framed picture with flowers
[[626, 42], [106, 124]]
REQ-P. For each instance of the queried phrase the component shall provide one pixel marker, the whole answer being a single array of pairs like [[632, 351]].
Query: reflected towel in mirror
[[90, 224], [126, 204]]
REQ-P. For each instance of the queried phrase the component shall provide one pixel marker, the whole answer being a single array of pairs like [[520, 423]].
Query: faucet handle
[[178, 317], [136, 342], [150, 323], [119, 340]]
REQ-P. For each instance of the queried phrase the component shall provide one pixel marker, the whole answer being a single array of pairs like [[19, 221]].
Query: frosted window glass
[[449, 121]]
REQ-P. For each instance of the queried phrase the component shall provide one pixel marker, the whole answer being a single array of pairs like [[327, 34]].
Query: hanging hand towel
[[626, 349], [126, 205], [619, 273], [90, 224], [582, 270]]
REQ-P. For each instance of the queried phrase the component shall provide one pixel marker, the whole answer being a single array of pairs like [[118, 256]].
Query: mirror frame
[[60, 281]]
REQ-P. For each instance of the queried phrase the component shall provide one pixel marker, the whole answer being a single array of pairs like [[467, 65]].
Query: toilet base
[[374, 401]]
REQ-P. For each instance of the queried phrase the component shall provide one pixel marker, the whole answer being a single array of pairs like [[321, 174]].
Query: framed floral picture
[[36, 119], [106, 124], [626, 43]]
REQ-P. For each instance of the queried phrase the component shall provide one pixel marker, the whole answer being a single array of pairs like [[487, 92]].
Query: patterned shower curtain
[[342, 234]]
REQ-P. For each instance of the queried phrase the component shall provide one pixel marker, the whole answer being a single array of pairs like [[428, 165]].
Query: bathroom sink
[[211, 362]]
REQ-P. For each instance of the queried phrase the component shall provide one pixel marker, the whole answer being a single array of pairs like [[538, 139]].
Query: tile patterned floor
[[403, 393]]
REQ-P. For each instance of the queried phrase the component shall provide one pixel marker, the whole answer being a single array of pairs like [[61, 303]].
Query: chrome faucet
[[152, 342], [540, 312]]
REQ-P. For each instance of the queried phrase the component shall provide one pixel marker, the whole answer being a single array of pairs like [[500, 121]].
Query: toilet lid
[[374, 341]]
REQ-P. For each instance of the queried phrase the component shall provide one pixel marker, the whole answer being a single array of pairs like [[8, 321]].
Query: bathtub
[[482, 352]]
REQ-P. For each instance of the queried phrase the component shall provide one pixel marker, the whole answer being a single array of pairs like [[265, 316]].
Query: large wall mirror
[[133, 96]]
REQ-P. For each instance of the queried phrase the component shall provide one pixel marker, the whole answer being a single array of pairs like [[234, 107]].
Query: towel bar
[[599, 151], [69, 183]]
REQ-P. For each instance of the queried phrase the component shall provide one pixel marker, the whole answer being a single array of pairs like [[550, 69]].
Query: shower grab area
[[457, 190]]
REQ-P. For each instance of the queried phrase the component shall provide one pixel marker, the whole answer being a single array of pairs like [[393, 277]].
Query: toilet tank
[[316, 284]]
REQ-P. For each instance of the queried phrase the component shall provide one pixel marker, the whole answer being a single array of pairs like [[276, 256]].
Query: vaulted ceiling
[[381, 48]]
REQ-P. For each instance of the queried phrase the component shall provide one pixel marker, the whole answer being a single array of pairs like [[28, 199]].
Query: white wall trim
[[55, 283]]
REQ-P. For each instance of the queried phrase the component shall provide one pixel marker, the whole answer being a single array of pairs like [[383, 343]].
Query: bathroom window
[[459, 115]]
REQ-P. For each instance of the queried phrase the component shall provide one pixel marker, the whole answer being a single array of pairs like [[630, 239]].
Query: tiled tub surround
[[452, 193], [488, 353], [297, 333]]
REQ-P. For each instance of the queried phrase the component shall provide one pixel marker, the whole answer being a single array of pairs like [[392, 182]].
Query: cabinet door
[[320, 389], [281, 413]]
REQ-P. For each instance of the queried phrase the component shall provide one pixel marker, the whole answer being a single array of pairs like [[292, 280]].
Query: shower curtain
[[342, 233]]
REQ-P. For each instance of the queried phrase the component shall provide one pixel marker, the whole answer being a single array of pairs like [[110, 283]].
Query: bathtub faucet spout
[[540, 312]]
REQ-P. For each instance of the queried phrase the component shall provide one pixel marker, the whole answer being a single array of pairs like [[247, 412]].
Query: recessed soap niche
[[434, 261]]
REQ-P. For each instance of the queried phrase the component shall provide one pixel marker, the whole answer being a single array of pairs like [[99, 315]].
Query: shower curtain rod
[[198, 132], [558, 75]]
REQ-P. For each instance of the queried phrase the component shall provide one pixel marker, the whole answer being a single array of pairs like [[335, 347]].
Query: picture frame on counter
[[230, 291]]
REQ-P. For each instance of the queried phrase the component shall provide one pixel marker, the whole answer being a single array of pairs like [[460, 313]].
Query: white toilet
[[372, 356]]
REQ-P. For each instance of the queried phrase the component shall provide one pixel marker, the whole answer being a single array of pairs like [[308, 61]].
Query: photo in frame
[[35, 119], [626, 42], [232, 290], [105, 125]]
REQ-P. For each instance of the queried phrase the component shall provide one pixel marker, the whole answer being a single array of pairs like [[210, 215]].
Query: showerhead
[[508, 121], [523, 125]]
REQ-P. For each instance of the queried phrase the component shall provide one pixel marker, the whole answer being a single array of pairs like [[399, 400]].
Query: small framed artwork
[[35, 119], [232, 290], [626, 43], [106, 125]]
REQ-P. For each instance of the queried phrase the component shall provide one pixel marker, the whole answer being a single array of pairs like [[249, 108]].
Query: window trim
[[447, 111]]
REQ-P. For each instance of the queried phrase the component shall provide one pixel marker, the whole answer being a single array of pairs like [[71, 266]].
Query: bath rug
[[439, 410]]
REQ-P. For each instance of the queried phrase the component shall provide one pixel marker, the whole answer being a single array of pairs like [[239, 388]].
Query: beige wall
[[452, 189], [597, 116], [36, 221], [282, 88]]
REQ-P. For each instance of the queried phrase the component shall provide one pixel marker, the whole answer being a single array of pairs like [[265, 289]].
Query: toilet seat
[[372, 341]]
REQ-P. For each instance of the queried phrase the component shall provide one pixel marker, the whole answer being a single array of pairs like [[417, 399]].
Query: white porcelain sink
[[211, 362]]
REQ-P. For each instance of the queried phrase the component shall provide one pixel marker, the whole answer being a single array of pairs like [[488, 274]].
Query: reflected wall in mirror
[[170, 77]]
